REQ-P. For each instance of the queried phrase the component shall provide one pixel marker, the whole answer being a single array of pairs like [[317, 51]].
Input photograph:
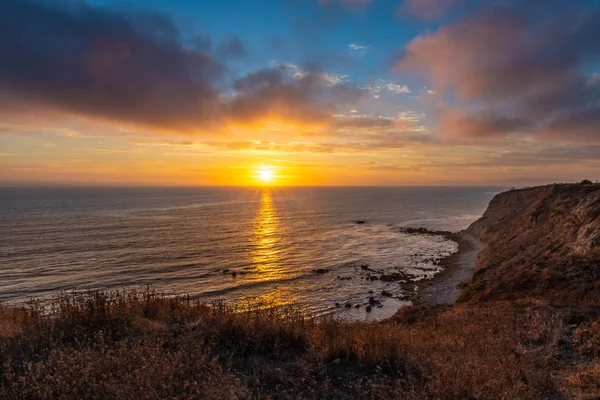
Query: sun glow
[[266, 174]]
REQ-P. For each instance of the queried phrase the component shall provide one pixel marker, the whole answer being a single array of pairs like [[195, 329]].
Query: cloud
[[579, 124], [364, 122], [73, 58], [358, 49], [394, 88], [478, 125], [91, 61], [427, 9], [296, 72], [380, 86], [513, 68], [232, 47], [381, 143], [109, 150], [593, 79], [310, 97]]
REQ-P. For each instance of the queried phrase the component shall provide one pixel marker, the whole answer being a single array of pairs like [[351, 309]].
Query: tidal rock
[[369, 308], [424, 231], [373, 301], [385, 293], [395, 277], [348, 305], [320, 271]]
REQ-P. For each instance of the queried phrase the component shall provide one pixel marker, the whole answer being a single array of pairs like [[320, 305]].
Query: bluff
[[540, 242]]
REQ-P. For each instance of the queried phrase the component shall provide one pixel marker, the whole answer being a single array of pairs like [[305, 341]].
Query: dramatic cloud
[[514, 69], [75, 58], [90, 61], [309, 97], [94, 62]]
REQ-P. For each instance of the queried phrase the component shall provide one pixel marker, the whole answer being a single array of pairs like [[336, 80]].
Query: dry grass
[[143, 345], [584, 382]]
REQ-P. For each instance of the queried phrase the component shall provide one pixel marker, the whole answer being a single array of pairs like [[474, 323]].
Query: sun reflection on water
[[266, 254], [267, 257]]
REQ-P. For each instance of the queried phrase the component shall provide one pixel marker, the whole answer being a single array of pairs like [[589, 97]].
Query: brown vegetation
[[143, 345], [542, 242]]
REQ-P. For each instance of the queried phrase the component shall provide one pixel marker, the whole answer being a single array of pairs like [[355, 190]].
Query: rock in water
[[373, 301]]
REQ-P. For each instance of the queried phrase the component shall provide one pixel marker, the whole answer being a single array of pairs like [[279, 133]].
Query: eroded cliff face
[[540, 242]]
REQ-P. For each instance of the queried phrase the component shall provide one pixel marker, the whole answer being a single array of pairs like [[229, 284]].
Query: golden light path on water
[[267, 254]]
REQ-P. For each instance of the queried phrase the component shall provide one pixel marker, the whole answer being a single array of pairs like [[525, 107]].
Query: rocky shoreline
[[445, 286]]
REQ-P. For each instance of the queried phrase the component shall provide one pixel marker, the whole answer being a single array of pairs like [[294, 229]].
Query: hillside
[[542, 242]]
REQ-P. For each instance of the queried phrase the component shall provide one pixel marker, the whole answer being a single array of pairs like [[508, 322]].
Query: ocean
[[236, 244]]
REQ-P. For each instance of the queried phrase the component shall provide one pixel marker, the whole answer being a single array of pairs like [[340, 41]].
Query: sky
[[315, 92]]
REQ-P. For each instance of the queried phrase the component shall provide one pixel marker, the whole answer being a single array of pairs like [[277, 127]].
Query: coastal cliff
[[540, 242]]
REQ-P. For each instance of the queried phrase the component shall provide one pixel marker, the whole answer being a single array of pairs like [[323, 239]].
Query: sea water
[[236, 244]]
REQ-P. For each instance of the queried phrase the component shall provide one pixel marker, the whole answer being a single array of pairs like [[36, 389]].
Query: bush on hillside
[[144, 345]]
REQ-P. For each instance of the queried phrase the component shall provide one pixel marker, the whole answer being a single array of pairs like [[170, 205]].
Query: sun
[[266, 174]]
